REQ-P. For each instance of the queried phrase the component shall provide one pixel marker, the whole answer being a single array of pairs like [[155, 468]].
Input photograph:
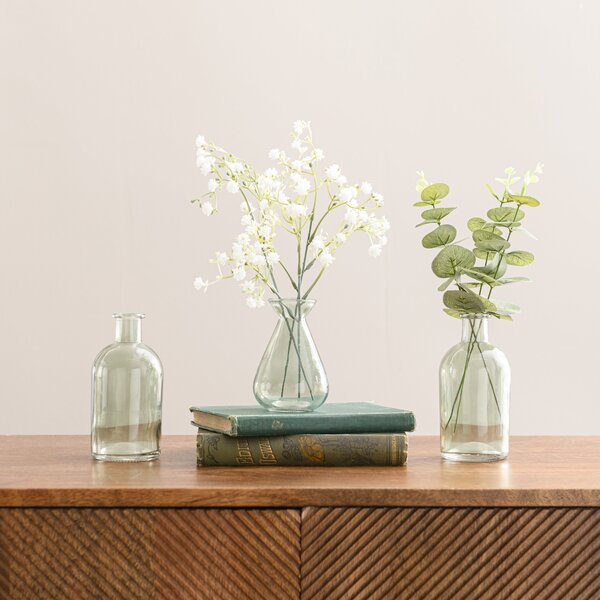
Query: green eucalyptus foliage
[[476, 272]]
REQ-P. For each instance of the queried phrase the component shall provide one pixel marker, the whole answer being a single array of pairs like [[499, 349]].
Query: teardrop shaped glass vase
[[291, 376]]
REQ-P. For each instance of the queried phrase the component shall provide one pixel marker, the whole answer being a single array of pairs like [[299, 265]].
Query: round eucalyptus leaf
[[483, 254], [526, 200], [485, 234], [496, 244], [436, 214], [463, 301], [452, 259], [452, 313], [440, 236], [505, 214], [519, 258], [434, 192], [475, 223]]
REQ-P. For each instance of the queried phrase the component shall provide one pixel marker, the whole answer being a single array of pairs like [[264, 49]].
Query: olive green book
[[343, 417], [303, 450]]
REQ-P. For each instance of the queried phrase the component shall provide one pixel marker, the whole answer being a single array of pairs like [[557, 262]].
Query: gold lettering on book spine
[[395, 453], [243, 456], [267, 456]]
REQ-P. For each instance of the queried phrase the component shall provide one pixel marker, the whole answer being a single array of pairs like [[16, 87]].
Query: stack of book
[[338, 435]]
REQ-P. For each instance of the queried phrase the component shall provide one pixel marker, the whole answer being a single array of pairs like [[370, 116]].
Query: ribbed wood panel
[[488, 554], [149, 553]]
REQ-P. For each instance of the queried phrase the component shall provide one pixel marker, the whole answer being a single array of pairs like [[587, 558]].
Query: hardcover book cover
[[349, 417], [322, 450]]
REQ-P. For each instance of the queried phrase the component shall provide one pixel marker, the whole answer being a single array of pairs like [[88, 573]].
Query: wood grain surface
[[143, 554], [49, 471], [454, 554]]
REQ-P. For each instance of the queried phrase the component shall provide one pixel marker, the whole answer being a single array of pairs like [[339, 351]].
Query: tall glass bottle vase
[[291, 376], [474, 396], [127, 379]]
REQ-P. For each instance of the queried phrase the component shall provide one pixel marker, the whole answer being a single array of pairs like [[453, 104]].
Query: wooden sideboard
[[73, 528]]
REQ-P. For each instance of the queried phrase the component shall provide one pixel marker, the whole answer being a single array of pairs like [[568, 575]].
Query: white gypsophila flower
[[374, 250], [382, 241], [205, 169], [235, 167], [297, 209], [274, 154], [200, 141], [246, 220], [318, 242], [298, 165], [299, 126], [233, 187], [333, 172], [213, 185], [319, 154], [363, 216], [422, 183], [237, 251], [221, 258], [302, 186], [273, 258], [251, 302], [342, 180], [351, 216], [539, 168], [347, 194], [326, 258], [341, 237], [271, 172], [263, 205], [258, 260], [239, 273], [265, 231], [297, 145], [243, 238], [248, 287], [366, 188], [283, 197], [207, 208], [200, 284], [379, 202]]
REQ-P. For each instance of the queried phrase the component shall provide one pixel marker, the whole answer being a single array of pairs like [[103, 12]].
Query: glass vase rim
[[474, 316], [129, 315], [307, 301]]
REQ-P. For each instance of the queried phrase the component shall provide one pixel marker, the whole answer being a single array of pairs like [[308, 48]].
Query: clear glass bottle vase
[[291, 376], [127, 380], [474, 396]]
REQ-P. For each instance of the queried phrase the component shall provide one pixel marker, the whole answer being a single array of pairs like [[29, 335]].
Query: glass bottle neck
[[474, 329], [128, 329]]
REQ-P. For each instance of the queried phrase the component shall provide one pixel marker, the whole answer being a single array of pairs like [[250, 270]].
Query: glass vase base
[[473, 456], [127, 457], [293, 405]]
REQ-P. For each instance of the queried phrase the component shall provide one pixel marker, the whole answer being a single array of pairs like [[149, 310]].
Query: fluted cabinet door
[[149, 553], [454, 553]]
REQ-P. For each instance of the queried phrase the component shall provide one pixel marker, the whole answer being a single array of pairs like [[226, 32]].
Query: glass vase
[[127, 380], [291, 376], [474, 396]]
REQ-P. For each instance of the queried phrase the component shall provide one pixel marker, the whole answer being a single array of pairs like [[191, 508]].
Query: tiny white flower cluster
[[285, 198]]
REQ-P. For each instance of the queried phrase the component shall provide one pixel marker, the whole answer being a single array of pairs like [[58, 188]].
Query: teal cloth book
[[349, 417]]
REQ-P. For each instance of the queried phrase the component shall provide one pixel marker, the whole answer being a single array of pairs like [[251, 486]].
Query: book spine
[[322, 450], [299, 423]]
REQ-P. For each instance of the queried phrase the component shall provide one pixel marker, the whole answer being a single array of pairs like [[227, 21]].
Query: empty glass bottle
[[291, 376], [474, 396], [127, 382]]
